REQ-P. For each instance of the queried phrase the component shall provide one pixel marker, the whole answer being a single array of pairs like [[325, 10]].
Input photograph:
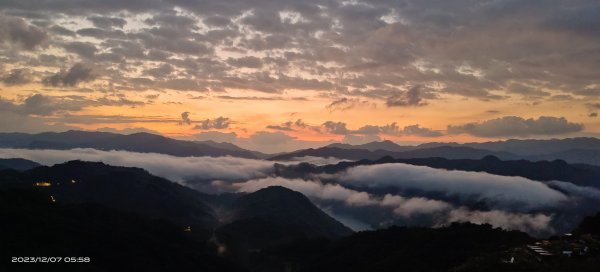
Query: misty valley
[[150, 203]]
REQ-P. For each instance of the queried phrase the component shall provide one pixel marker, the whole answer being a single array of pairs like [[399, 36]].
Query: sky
[[281, 75]]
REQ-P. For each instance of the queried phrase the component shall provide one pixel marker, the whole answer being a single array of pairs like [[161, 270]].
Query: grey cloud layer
[[174, 168], [401, 52], [513, 126], [44, 105], [497, 191], [401, 208]]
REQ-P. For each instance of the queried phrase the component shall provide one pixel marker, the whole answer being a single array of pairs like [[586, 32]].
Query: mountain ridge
[[137, 142]]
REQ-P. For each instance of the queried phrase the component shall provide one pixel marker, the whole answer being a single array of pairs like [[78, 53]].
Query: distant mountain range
[[573, 150], [450, 152], [138, 142]]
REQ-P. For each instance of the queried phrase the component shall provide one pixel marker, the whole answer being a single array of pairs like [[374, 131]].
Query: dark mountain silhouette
[[277, 215], [401, 249], [32, 225], [580, 174], [450, 152], [232, 147], [18, 164], [121, 188], [587, 156], [359, 154], [515, 146], [372, 146], [572, 150], [270, 216], [539, 147], [138, 142], [583, 245], [589, 225]]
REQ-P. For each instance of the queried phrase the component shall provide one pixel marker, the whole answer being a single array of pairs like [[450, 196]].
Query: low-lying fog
[[372, 196]]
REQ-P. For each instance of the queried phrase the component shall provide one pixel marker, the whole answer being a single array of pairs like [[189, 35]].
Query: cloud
[[83, 49], [59, 30], [393, 129], [372, 131], [581, 191], [78, 73], [17, 31], [13, 122], [401, 206], [246, 62], [416, 130], [228, 174], [107, 22], [514, 193], [385, 50], [360, 139], [335, 127], [315, 160], [526, 91], [217, 136], [181, 84], [289, 125], [178, 169], [38, 104], [524, 222], [44, 105], [404, 209], [217, 123], [310, 189], [514, 126], [217, 20], [412, 97], [345, 103], [161, 71], [17, 77], [270, 138], [185, 118]]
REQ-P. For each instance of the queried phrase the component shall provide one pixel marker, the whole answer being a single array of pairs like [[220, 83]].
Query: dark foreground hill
[[33, 225], [91, 191], [458, 247], [137, 191], [122, 188], [18, 164], [277, 215], [410, 249]]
